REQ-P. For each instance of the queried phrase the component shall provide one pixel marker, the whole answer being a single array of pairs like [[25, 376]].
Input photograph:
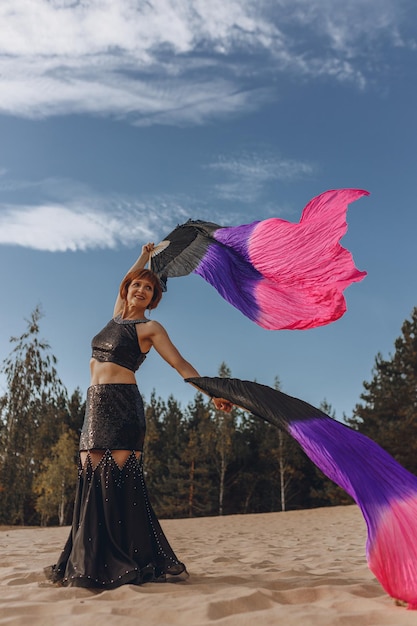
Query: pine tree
[[75, 412], [197, 454], [154, 461], [32, 415], [253, 476], [173, 479], [272, 476], [388, 413]]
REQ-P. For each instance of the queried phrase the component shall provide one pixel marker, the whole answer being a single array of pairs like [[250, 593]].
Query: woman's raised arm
[[139, 264]]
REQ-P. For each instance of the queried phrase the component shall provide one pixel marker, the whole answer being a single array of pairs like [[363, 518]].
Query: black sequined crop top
[[118, 343]]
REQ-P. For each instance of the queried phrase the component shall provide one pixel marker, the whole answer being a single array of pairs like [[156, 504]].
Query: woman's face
[[139, 293]]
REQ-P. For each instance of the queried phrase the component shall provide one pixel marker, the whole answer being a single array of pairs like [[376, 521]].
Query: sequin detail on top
[[114, 418], [118, 343], [115, 537]]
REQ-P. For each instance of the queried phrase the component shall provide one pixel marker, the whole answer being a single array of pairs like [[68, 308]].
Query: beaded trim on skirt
[[115, 537]]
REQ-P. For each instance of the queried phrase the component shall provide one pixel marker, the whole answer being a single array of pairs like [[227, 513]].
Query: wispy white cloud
[[125, 58], [355, 26], [55, 228], [69, 215], [183, 61], [91, 221], [248, 174], [104, 91]]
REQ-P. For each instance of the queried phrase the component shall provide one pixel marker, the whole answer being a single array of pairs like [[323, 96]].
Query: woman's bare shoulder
[[151, 327]]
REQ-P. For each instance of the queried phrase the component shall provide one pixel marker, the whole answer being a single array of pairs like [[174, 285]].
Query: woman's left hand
[[222, 405]]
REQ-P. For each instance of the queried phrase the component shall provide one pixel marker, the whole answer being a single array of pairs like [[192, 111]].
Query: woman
[[115, 536]]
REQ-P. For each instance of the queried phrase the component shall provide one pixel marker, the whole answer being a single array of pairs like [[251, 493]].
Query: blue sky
[[121, 118]]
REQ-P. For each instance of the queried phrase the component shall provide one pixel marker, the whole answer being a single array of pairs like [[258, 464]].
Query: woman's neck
[[133, 313]]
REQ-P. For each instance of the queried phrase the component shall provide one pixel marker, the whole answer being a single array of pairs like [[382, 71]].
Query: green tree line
[[198, 461]]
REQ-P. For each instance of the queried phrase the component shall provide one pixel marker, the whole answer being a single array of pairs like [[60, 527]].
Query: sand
[[296, 568]]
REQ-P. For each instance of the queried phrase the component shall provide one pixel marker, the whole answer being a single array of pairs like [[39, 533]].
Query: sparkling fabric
[[114, 418], [118, 343], [115, 537]]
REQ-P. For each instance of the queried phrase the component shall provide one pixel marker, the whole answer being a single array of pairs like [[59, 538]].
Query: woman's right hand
[[222, 405]]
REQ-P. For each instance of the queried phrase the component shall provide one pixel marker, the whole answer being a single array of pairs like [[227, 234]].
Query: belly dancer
[[115, 536]]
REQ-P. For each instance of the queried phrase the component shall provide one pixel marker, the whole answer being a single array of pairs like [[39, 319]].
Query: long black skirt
[[115, 536]]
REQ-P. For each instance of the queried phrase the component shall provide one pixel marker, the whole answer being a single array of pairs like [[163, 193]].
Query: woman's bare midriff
[[104, 373], [109, 374]]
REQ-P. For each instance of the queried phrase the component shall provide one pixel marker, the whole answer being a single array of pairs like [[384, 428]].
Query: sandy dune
[[296, 568]]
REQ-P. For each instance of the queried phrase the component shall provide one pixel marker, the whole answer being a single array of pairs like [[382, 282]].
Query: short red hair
[[146, 275]]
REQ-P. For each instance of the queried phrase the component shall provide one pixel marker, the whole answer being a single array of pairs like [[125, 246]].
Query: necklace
[[119, 320]]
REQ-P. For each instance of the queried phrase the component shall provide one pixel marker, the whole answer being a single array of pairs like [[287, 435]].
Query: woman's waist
[[106, 372]]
